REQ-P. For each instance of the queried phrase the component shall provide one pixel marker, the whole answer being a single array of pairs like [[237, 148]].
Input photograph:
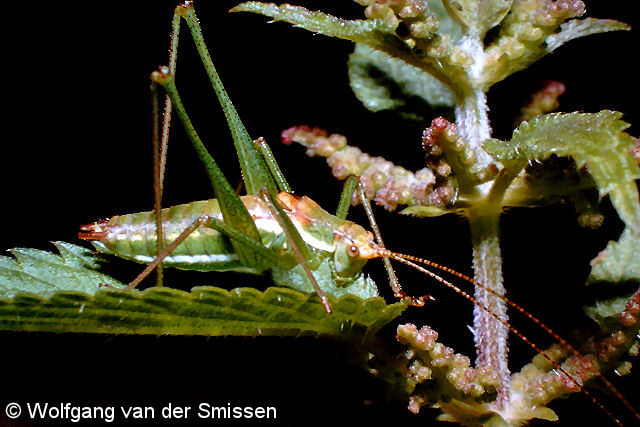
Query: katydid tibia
[[269, 229]]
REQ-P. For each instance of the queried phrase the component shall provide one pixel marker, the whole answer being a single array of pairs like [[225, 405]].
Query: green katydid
[[302, 245], [269, 229]]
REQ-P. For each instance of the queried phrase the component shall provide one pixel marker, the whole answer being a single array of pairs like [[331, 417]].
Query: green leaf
[[360, 31], [429, 211], [40, 291], [577, 28], [205, 310], [448, 26], [532, 30], [371, 32], [355, 30], [619, 262], [478, 15], [43, 273], [595, 140], [296, 278], [605, 312], [382, 82], [617, 265]]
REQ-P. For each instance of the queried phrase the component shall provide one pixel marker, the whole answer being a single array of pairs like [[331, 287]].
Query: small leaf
[[428, 211], [478, 15], [432, 51], [605, 312], [43, 273], [595, 140], [362, 31], [382, 82], [619, 262], [448, 26], [205, 311], [534, 29], [372, 32], [577, 28]]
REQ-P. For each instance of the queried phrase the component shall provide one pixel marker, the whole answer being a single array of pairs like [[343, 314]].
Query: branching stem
[[472, 119]]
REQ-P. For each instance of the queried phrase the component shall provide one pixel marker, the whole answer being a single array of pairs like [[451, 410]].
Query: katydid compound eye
[[353, 251]]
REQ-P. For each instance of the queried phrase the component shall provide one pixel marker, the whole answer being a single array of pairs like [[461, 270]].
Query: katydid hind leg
[[269, 158], [254, 169], [252, 164], [157, 179], [167, 251], [161, 142], [216, 224], [233, 210], [168, 107]]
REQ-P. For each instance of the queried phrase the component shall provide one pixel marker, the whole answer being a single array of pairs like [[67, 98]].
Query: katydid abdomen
[[133, 237]]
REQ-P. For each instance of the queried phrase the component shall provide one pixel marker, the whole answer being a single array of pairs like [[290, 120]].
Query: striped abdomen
[[133, 237]]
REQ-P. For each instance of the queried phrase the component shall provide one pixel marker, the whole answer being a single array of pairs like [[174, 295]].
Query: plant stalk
[[490, 336], [472, 119]]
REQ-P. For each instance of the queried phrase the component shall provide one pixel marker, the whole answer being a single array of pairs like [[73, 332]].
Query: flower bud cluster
[[409, 18], [448, 152], [543, 101], [543, 387], [523, 34], [385, 183], [629, 316], [635, 149], [538, 383], [428, 359], [528, 18], [414, 22]]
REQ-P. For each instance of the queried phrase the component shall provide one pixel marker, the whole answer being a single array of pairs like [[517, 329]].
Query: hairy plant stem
[[490, 336], [484, 220], [472, 110]]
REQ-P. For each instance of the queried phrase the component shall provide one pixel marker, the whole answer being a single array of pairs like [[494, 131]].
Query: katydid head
[[354, 245]]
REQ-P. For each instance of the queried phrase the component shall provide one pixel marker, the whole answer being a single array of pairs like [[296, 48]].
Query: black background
[[75, 147]]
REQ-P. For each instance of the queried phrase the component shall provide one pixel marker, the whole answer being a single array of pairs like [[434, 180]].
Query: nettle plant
[[409, 56], [450, 53]]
